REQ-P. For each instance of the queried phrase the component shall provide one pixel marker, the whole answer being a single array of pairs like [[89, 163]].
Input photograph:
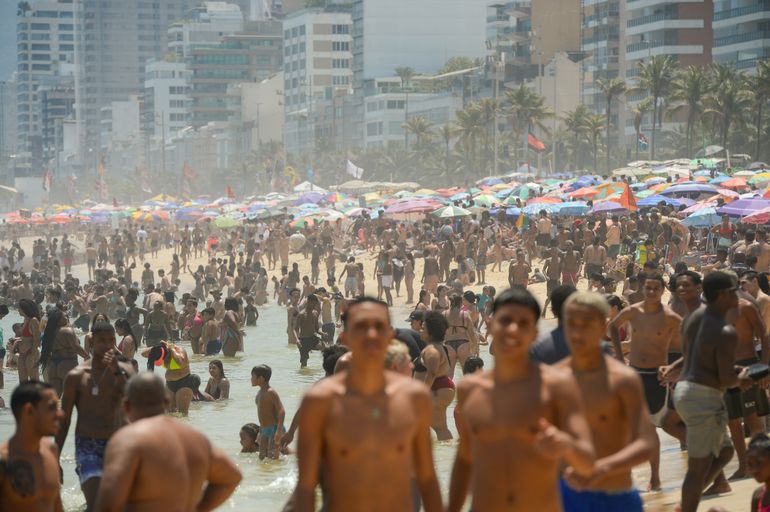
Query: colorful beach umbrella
[[450, 212], [743, 207]]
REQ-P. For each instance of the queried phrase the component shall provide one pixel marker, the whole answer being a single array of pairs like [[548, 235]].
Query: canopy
[[743, 207], [449, 212]]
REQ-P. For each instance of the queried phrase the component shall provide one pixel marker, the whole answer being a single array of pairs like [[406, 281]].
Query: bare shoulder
[[47, 445], [558, 375], [622, 375], [474, 381], [327, 388], [671, 315], [400, 384]]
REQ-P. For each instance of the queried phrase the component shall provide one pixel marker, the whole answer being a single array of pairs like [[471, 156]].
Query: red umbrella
[[544, 200], [584, 193], [735, 183]]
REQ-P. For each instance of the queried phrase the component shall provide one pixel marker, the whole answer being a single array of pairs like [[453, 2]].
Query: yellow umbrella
[[426, 192], [372, 197], [500, 186], [164, 198]]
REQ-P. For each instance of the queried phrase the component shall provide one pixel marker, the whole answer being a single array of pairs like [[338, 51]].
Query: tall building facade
[[45, 36], [118, 37], [248, 56], [317, 71], [741, 32], [420, 34], [203, 26], [166, 98], [8, 120], [600, 45]]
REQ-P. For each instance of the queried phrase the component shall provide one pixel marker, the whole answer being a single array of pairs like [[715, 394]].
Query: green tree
[[447, 133], [405, 74], [759, 88], [528, 110], [488, 108], [688, 91], [594, 125], [575, 122], [655, 78], [728, 102], [611, 89], [422, 129], [469, 128], [639, 111]]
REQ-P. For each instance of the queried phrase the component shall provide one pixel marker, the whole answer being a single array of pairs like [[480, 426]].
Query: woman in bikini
[[218, 387], [435, 359], [441, 302], [29, 342], [60, 350], [127, 345], [232, 339], [461, 340], [423, 303]]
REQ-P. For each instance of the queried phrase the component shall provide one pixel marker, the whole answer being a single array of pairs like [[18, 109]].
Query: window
[[302, 64], [302, 47], [287, 50], [40, 56], [340, 63], [173, 89], [66, 37], [340, 80], [302, 30], [373, 129], [294, 49], [286, 34], [41, 67], [66, 47], [40, 37], [41, 47], [294, 32], [41, 26], [395, 105], [340, 46], [177, 103], [66, 27], [340, 29]]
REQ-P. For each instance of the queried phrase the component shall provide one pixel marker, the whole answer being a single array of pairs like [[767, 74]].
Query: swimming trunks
[[213, 347], [655, 394], [704, 414], [597, 501], [269, 431], [89, 458]]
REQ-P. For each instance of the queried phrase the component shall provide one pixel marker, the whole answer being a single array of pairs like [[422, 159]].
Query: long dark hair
[[94, 321], [29, 308], [52, 327], [124, 325], [218, 364]]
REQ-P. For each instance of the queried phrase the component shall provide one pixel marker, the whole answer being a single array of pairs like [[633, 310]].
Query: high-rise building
[[317, 71], [420, 34], [248, 56], [166, 98], [118, 38], [57, 105], [601, 47], [45, 51], [741, 32], [8, 121], [203, 26]]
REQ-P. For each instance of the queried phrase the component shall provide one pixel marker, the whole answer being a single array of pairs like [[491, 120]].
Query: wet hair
[[169, 296], [3, 309], [208, 311], [716, 282], [592, 300], [49, 335], [262, 370], [231, 304], [218, 364], [252, 429], [156, 353], [362, 300], [29, 308], [436, 325], [102, 327], [760, 446], [28, 392], [615, 301], [472, 364], [751, 274], [330, 356], [558, 296], [517, 297], [125, 326]]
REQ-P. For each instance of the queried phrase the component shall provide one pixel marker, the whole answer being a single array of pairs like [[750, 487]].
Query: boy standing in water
[[269, 411], [518, 419]]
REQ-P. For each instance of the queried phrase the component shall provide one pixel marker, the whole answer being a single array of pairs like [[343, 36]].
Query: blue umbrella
[[690, 188], [491, 181], [573, 208], [657, 199], [309, 197], [460, 196], [705, 217], [719, 179], [536, 208]]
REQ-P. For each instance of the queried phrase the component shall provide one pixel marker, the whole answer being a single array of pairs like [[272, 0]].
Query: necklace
[[95, 387]]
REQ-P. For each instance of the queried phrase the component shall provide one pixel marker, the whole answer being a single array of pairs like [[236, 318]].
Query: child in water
[[249, 438], [270, 412], [250, 311]]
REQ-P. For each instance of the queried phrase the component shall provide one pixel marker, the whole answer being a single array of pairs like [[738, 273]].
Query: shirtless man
[[763, 250], [191, 474], [270, 412], [518, 271], [96, 389], [518, 422], [654, 331], [306, 329], [709, 348], [291, 312], [351, 283], [613, 399], [29, 461], [750, 284], [366, 426]]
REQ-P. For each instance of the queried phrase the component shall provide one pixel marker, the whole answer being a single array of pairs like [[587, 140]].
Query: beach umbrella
[[690, 188], [275, 196], [535, 209], [702, 172], [657, 199], [188, 214], [734, 183], [335, 197], [644, 193], [225, 221], [743, 207], [544, 200], [719, 180], [460, 196], [757, 166], [490, 181], [309, 197], [583, 193], [573, 208], [745, 173], [762, 177], [413, 205], [760, 217], [403, 193], [151, 216], [357, 211], [450, 212], [729, 194], [485, 200], [608, 207], [426, 192], [704, 217], [655, 180]]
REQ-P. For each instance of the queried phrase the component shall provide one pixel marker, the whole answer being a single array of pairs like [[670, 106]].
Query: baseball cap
[[416, 315]]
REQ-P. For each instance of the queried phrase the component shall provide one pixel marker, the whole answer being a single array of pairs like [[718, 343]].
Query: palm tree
[[727, 104], [575, 123], [421, 128], [447, 132], [528, 110], [593, 129], [759, 87], [488, 108], [405, 74], [689, 89], [612, 88], [655, 78], [639, 110], [392, 160], [469, 128]]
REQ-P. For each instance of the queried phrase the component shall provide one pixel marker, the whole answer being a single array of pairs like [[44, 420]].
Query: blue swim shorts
[[89, 458], [594, 501]]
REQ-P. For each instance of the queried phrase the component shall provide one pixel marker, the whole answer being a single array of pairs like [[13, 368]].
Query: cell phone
[[758, 371]]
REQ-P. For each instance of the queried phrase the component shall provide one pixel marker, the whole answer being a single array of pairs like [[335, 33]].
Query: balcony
[[763, 6], [644, 20], [645, 45], [741, 38]]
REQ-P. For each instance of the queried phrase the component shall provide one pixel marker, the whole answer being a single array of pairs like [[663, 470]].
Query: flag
[[535, 143], [47, 179], [520, 222], [627, 199], [229, 192], [102, 169], [642, 142], [188, 176], [354, 171]]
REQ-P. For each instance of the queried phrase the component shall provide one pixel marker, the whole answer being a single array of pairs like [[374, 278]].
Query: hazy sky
[[7, 38]]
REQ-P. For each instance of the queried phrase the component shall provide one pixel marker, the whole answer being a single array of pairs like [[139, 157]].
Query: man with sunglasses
[[709, 343]]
